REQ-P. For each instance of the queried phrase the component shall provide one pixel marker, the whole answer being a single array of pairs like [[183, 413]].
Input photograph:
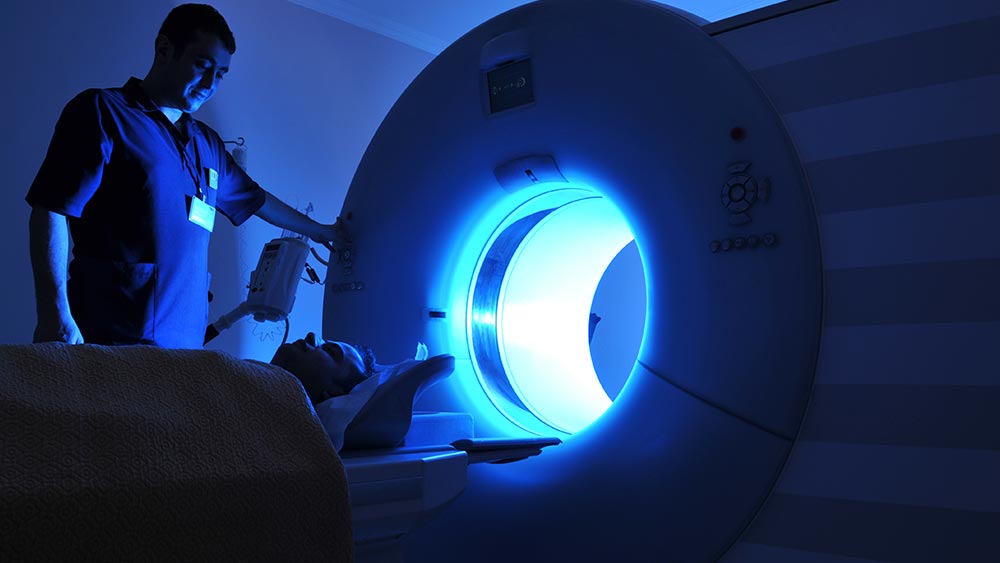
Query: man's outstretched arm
[[48, 234], [280, 214]]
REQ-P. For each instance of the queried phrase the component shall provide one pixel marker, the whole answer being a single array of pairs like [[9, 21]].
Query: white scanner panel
[[634, 104]]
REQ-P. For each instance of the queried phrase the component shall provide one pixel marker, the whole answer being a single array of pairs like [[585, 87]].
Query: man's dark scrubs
[[125, 177]]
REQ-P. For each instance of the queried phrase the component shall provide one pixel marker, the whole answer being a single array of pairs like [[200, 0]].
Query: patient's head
[[326, 369]]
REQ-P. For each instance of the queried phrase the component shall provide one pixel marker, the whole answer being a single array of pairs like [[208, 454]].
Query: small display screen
[[271, 247], [510, 86]]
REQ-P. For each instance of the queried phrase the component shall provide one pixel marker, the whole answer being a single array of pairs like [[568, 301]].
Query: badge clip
[[213, 178]]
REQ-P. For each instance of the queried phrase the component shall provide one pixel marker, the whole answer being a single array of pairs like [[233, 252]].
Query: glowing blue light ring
[[483, 336], [510, 379]]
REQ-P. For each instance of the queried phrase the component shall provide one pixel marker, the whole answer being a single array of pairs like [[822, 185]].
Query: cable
[[285, 337], [226, 321], [316, 254]]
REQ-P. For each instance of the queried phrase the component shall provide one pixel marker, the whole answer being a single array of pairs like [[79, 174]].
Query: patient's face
[[326, 370]]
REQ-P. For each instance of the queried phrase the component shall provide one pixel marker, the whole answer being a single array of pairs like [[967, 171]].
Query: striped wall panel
[[910, 174], [860, 239], [910, 354], [842, 24], [893, 108]]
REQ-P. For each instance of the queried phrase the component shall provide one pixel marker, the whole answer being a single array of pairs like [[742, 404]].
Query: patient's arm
[[385, 419], [332, 369]]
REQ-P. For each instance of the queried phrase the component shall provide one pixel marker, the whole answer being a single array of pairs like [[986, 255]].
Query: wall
[[57, 48], [305, 90], [892, 106]]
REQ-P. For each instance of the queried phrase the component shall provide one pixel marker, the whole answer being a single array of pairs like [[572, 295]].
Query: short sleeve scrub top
[[125, 177]]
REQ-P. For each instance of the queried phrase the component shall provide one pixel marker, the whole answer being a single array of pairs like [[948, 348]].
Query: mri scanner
[[489, 204]]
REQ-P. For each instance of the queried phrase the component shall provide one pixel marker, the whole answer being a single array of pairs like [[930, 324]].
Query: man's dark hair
[[184, 21]]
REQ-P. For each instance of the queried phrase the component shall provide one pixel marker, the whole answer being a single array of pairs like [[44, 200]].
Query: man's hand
[[57, 327], [279, 214], [334, 236], [49, 246]]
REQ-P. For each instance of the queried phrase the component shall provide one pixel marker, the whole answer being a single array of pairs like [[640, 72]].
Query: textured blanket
[[140, 454]]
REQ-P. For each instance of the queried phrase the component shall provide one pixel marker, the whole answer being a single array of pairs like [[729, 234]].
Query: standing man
[[137, 182]]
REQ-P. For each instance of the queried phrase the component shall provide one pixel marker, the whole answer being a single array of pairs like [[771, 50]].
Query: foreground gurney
[[139, 453]]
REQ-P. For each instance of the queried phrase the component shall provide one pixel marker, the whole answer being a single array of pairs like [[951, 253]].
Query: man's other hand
[[57, 327]]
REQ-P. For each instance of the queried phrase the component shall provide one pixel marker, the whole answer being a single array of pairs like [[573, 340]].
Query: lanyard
[[193, 168]]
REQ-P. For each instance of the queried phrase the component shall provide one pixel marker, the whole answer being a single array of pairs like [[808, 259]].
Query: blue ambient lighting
[[529, 309]]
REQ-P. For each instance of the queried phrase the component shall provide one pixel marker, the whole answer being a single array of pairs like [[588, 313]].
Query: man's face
[[192, 76]]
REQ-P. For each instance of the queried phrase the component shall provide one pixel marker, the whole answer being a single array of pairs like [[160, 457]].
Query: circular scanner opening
[[558, 289]]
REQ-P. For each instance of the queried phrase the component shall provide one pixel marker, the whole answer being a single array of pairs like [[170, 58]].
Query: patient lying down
[[361, 407]]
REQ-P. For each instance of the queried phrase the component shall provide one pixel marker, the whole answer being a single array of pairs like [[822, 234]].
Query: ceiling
[[432, 25]]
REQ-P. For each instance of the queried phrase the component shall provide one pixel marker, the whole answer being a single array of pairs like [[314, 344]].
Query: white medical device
[[551, 124], [273, 284]]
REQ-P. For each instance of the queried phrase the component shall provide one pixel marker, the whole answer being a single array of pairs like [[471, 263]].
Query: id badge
[[201, 213]]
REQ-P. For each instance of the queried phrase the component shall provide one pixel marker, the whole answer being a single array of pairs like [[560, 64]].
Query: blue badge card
[[201, 213]]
